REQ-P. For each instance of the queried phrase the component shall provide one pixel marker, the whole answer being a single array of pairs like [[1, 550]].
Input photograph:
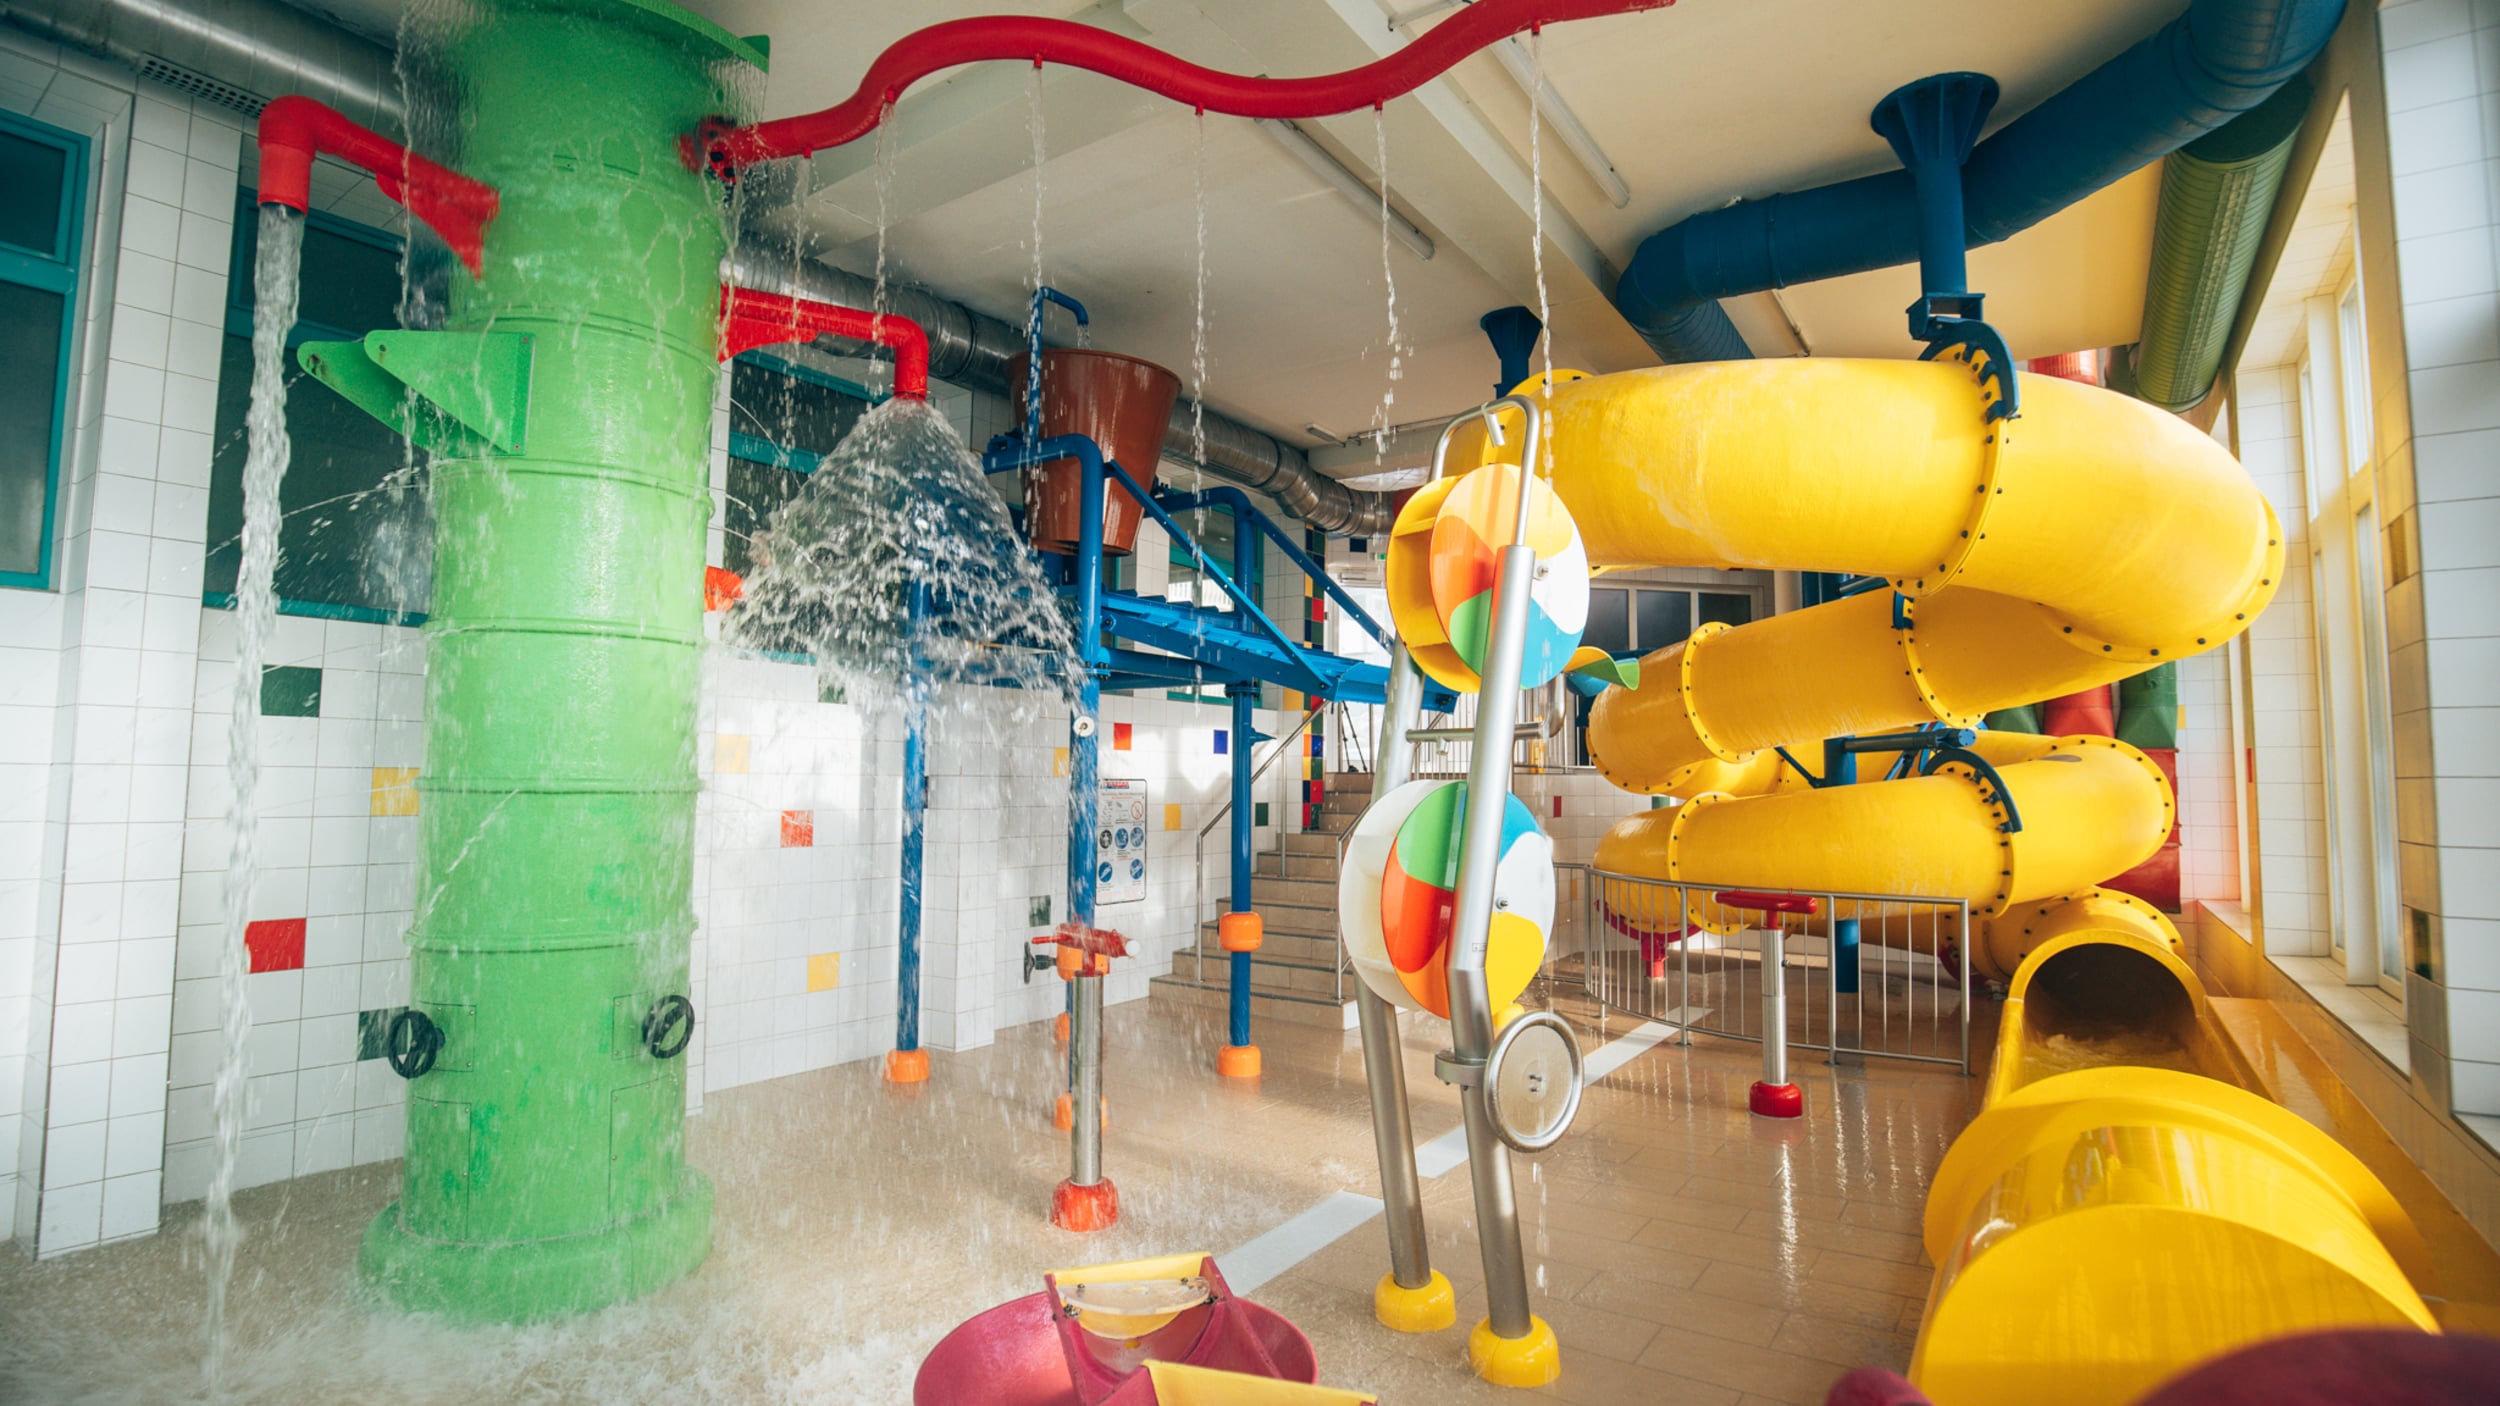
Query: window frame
[[61, 272]]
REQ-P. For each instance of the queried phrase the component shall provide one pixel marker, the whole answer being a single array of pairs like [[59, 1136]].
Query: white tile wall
[[2442, 60], [96, 931]]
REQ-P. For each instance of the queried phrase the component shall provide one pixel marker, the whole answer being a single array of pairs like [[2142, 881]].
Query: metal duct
[[971, 349], [2216, 195], [2220, 59], [237, 53]]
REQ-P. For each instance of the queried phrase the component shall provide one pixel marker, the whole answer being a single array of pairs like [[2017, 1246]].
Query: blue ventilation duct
[[2220, 59]]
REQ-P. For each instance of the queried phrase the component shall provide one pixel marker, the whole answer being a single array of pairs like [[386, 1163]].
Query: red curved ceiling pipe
[[293, 129], [750, 319], [727, 148]]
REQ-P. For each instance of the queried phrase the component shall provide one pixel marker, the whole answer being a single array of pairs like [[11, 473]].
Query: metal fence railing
[[1644, 947]]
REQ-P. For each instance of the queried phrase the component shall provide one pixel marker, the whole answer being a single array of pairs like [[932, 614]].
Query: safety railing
[[1198, 913], [1544, 741], [1893, 986]]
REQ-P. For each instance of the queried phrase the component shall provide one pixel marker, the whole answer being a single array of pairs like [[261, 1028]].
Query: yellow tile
[[729, 754], [824, 971], [1058, 761], [1171, 817], [394, 790], [1291, 702]]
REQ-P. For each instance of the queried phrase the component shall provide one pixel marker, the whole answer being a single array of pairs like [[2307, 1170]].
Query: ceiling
[[1695, 105]]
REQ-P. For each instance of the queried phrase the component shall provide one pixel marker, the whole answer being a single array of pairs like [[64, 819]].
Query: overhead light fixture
[[1566, 123], [1328, 168]]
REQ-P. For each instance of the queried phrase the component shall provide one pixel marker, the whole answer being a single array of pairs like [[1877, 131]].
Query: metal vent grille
[[200, 85]]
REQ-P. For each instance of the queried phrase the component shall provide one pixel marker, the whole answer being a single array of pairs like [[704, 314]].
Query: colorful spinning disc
[[1397, 897], [1445, 557]]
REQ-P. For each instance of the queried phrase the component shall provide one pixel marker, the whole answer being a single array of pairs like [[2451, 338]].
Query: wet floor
[[1683, 1250]]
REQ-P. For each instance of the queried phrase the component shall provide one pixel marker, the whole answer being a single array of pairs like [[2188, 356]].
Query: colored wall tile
[[1037, 911], [1258, 815], [1058, 761], [290, 691], [1558, 799], [275, 944], [824, 971], [373, 1031], [1171, 817], [798, 829], [1123, 736], [1223, 743], [394, 790], [730, 753], [1292, 700]]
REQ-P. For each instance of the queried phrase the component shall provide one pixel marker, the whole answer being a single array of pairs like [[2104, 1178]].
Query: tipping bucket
[[1120, 403]]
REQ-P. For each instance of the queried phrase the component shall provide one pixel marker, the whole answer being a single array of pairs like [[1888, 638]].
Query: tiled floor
[[1684, 1251]]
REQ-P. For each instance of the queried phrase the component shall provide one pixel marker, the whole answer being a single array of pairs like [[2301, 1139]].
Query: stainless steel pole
[[1471, 1011], [1085, 1035], [1384, 1065]]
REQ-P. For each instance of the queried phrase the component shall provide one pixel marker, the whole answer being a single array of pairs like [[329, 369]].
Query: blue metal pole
[[915, 829], [1840, 768], [1084, 782], [1245, 701]]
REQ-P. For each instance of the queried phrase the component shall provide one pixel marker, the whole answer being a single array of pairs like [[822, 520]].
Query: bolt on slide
[[2101, 1225]]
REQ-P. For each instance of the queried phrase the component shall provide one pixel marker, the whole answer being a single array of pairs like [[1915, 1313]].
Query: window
[[784, 419], [355, 540], [44, 171], [1645, 619]]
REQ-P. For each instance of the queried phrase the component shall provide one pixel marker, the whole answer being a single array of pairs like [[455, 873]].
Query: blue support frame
[[55, 270], [1245, 701], [915, 828]]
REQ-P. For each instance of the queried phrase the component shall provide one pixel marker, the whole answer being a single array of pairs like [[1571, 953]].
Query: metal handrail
[[1198, 904]]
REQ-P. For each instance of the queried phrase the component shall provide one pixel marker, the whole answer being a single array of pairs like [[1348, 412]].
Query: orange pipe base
[[1238, 1061], [906, 1066], [1085, 1208]]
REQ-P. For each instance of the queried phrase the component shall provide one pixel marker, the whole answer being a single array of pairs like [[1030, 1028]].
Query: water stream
[[1386, 415], [1198, 310], [274, 289], [1536, 193]]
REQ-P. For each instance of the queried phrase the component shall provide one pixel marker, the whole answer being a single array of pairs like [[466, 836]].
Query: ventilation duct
[[2220, 59], [2216, 195], [236, 53]]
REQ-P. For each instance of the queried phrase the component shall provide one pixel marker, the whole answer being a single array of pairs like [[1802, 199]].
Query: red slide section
[[727, 148], [293, 129]]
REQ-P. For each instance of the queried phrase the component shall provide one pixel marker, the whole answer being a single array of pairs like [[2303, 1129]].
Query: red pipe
[[293, 129], [728, 149], [750, 319]]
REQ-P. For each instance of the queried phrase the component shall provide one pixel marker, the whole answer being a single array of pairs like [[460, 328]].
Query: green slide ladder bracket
[[469, 391]]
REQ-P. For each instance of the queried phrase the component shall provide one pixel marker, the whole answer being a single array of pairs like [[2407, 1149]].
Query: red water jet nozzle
[[293, 129], [727, 148], [750, 319]]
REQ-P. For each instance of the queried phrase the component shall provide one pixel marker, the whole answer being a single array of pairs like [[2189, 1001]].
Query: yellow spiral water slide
[[2130, 1202]]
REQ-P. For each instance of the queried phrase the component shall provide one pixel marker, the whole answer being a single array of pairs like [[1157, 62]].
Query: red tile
[[275, 944], [1558, 807], [798, 829], [1121, 736]]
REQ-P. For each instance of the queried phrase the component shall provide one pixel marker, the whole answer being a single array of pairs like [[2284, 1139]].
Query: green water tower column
[[546, 1169]]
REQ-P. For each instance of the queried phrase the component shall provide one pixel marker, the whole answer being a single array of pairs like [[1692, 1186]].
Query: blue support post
[[909, 1064], [1840, 768], [1086, 1185], [1245, 700]]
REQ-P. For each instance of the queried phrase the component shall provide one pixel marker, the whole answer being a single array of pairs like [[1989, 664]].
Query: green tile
[[1037, 911], [830, 693], [290, 691], [372, 1029], [1258, 813]]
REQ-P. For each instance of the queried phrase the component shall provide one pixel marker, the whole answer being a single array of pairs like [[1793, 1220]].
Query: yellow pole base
[[906, 1066], [1531, 1361], [1238, 1061], [1426, 1310]]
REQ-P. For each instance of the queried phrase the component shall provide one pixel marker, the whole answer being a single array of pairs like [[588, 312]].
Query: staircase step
[[1296, 866], [1303, 893], [1313, 842], [1291, 946], [1322, 1011], [1304, 919]]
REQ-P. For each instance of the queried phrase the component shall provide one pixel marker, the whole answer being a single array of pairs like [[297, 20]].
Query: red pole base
[[1776, 1100], [1085, 1208]]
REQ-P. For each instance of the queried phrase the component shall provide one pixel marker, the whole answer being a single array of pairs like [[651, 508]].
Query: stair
[[1294, 976]]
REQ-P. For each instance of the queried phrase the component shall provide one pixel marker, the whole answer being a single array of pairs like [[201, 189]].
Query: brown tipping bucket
[[1120, 403]]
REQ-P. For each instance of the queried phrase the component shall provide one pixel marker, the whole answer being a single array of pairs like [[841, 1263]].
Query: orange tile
[[798, 829]]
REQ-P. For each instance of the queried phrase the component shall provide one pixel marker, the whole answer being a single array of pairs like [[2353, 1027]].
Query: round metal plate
[[1532, 1081]]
